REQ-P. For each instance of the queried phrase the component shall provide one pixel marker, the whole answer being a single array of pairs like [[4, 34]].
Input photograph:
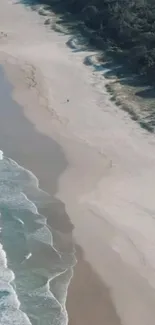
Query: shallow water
[[34, 275]]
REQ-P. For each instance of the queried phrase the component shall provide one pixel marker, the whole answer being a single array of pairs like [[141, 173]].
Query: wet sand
[[89, 299]]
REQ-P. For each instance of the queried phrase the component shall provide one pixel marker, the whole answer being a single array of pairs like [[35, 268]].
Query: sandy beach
[[96, 161]]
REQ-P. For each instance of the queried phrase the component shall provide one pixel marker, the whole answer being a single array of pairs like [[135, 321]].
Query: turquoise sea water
[[34, 273]]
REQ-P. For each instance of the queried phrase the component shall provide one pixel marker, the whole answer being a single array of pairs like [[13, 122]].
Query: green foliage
[[129, 24]]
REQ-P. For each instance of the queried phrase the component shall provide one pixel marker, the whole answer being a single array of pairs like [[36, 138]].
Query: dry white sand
[[109, 186]]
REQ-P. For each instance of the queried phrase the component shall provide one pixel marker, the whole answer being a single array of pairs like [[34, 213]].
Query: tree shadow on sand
[[112, 62], [104, 57]]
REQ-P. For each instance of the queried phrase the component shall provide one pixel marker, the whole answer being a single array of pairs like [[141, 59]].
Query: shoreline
[[14, 127], [57, 210], [87, 290], [111, 160]]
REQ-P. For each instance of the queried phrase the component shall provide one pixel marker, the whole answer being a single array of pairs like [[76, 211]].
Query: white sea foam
[[29, 204], [46, 292], [44, 235], [28, 256], [10, 312], [11, 196], [15, 317], [3, 259], [19, 220], [1, 155], [34, 179]]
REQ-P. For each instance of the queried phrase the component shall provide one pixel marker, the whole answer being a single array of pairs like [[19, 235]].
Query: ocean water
[[34, 274]]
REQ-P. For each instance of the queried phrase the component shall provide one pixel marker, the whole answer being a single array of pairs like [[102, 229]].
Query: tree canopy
[[129, 24]]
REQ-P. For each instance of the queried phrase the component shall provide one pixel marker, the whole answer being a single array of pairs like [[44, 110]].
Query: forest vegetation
[[127, 26]]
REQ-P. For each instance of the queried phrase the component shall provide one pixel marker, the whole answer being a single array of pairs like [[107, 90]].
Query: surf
[[34, 274]]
